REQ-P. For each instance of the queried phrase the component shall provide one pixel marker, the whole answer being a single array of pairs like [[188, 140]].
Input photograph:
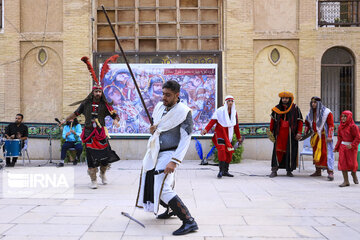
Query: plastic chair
[[307, 151], [24, 150]]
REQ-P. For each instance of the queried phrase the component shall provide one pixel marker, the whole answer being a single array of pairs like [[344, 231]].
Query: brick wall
[[76, 41], [240, 52]]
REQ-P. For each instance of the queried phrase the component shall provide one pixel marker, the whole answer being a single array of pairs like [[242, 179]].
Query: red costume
[[226, 123], [221, 139], [348, 134], [286, 123]]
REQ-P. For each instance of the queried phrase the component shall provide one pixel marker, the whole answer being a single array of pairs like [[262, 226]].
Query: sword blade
[[131, 218]]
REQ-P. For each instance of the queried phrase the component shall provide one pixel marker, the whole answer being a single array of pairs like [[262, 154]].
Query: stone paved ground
[[250, 205]]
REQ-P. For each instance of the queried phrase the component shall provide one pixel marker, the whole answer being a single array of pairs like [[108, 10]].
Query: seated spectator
[[71, 133]]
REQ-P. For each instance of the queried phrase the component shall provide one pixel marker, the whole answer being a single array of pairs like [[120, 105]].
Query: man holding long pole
[[171, 136]]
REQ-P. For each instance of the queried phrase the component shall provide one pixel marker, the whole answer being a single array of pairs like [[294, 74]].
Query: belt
[[168, 149], [345, 143]]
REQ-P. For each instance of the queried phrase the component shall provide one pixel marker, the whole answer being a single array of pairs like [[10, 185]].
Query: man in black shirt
[[16, 130]]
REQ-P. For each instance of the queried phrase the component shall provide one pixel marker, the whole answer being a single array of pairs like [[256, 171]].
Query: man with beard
[[320, 120], [16, 130], [95, 108], [286, 126], [226, 121], [171, 136]]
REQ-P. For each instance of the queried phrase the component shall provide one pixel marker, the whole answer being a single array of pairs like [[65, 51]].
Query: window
[[275, 56], [337, 81], [340, 13], [160, 25]]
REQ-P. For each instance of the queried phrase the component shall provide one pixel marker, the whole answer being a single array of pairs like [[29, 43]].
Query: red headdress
[[92, 73], [349, 120], [104, 70]]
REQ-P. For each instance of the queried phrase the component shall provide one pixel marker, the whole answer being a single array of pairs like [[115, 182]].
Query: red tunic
[[347, 157], [282, 138], [226, 149], [330, 123]]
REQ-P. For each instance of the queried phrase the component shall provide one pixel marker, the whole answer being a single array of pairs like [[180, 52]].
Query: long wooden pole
[[127, 64]]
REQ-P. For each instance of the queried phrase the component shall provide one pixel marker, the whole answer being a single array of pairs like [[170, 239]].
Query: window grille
[[339, 13]]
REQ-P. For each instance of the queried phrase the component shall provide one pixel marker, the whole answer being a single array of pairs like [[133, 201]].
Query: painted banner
[[198, 91]]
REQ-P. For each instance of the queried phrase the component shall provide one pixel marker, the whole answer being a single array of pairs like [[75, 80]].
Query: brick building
[[261, 46]]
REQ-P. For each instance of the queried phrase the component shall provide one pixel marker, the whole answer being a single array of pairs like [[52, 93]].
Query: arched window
[[337, 80]]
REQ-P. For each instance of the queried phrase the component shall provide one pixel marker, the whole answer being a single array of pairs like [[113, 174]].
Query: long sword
[[127, 64], [131, 218]]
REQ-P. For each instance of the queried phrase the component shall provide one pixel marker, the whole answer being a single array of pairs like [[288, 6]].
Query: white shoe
[[103, 179], [93, 185]]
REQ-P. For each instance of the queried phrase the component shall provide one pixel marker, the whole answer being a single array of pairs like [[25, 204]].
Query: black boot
[[179, 208], [221, 169], [226, 170], [8, 163], [167, 214], [273, 172]]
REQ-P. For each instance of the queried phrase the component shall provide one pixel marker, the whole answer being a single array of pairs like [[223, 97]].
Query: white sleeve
[[182, 148]]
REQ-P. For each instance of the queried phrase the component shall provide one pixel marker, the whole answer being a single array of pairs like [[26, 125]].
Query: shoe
[[273, 174], [317, 173], [182, 212], [166, 215], [355, 179], [346, 179], [92, 173], [289, 174], [344, 184], [221, 169], [103, 178], [226, 170], [227, 174], [93, 185], [60, 165], [187, 227], [330, 177], [102, 174]]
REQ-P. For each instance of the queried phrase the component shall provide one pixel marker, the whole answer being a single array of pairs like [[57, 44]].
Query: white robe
[[163, 183], [222, 116]]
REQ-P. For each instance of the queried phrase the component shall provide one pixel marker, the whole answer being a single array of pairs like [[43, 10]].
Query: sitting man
[[71, 133], [16, 130]]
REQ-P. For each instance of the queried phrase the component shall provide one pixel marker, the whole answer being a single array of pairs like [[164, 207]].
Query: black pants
[[14, 159], [78, 147]]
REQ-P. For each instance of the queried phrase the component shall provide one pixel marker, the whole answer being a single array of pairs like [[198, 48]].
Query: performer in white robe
[[171, 136]]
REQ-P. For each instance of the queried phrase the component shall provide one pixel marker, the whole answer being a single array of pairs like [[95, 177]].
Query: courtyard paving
[[248, 206]]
